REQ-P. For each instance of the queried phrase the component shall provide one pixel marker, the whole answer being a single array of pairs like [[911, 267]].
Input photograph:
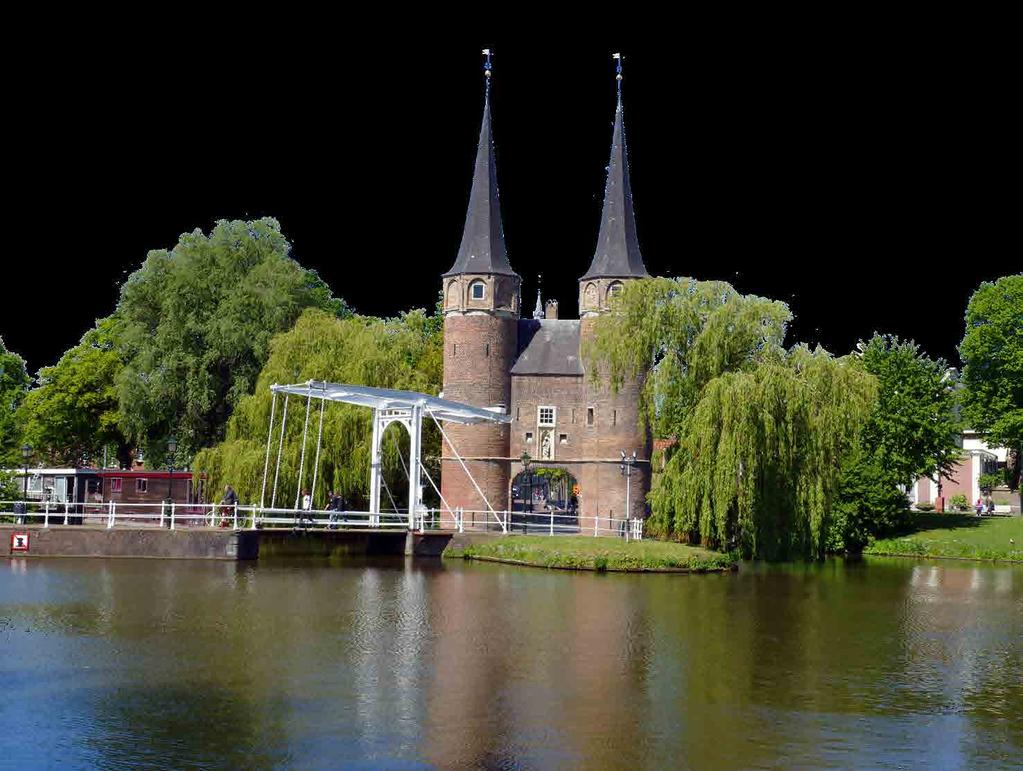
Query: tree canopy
[[14, 383], [913, 427], [73, 412], [992, 354], [758, 465], [678, 334], [194, 326], [404, 352], [910, 432], [761, 431]]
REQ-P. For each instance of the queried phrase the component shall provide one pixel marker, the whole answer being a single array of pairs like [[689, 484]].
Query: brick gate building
[[532, 369]]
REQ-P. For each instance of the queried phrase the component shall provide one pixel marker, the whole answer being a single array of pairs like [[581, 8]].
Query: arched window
[[614, 290], [478, 290]]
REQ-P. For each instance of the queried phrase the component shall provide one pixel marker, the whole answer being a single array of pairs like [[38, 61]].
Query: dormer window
[[478, 290]]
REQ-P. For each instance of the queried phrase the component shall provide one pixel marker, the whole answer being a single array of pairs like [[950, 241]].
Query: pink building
[[977, 459]]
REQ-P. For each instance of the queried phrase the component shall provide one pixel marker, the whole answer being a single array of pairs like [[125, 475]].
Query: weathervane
[[488, 67]]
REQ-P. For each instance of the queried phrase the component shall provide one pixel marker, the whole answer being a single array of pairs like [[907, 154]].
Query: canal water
[[882, 663]]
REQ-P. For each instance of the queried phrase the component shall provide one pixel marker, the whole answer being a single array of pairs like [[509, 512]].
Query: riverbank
[[588, 553], [957, 536]]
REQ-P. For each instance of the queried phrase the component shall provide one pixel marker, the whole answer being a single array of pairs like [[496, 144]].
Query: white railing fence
[[541, 522], [176, 515], [112, 513]]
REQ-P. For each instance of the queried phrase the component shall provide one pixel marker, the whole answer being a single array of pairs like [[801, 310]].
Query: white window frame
[[141, 485], [539, 416], [116, 484], [483, 290]]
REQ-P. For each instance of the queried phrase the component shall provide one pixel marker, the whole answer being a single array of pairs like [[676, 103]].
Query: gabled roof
[[617, 254], [482, 249], [548, 347]]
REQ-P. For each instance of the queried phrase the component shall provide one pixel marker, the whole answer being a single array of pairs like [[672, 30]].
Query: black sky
[[862, 180]]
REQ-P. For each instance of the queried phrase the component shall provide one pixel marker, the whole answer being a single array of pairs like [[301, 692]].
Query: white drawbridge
[[389, 406]]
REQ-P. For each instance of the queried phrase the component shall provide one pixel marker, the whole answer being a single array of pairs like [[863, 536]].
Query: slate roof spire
[[617, 254], [482, 249]]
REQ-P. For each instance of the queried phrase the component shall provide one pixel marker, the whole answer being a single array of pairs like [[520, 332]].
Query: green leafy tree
[[195, 326], [404, 352], [992, 354], [910, 432], [73, 412], [14, 383], [913, 427], [9, 490]]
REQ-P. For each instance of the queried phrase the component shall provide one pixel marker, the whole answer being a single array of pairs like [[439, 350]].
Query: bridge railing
[[254, 516], [540, 522], [115, 513], [175, 515]]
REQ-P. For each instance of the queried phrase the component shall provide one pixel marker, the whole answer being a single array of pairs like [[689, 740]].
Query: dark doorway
[[544, 497]]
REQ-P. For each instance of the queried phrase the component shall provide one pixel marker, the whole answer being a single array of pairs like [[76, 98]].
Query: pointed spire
[[617, 254], [538, 310], [482, 249]]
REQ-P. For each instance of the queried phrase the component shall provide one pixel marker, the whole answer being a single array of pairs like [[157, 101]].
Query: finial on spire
[[618, 73], [538, 310], [488, 67]]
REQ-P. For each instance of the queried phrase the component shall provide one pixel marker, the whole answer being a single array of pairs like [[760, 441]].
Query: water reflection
[[884, 662]]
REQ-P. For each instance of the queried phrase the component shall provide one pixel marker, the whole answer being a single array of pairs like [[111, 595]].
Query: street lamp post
[[628, 461], [526, 460]]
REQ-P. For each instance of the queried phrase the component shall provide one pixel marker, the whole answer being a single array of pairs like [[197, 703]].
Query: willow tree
[[678, 334], [761, 431], [404, 352], [758, 466]]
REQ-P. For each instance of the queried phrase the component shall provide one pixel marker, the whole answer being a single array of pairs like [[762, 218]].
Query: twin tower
[[531, 368]]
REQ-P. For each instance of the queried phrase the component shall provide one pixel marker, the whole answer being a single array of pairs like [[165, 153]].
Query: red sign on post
[[19, 542]]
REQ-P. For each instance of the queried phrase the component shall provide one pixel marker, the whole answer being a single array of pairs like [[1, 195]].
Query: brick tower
[[617, 259], [481, 311]]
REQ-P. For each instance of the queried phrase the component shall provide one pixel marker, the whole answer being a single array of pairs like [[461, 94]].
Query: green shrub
[[987, 482], [925, 507], [958, 503]]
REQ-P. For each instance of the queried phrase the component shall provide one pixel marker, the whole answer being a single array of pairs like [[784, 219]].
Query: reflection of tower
[[617, 259], [481, 309]]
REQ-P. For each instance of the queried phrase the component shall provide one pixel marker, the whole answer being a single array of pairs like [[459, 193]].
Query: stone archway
[[541, 491]]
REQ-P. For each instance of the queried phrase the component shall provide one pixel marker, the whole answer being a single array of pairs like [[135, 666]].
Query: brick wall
[[616, 414], [479, 351]]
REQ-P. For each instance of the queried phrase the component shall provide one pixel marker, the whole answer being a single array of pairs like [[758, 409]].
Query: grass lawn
[[958, 535], [581, 552]]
